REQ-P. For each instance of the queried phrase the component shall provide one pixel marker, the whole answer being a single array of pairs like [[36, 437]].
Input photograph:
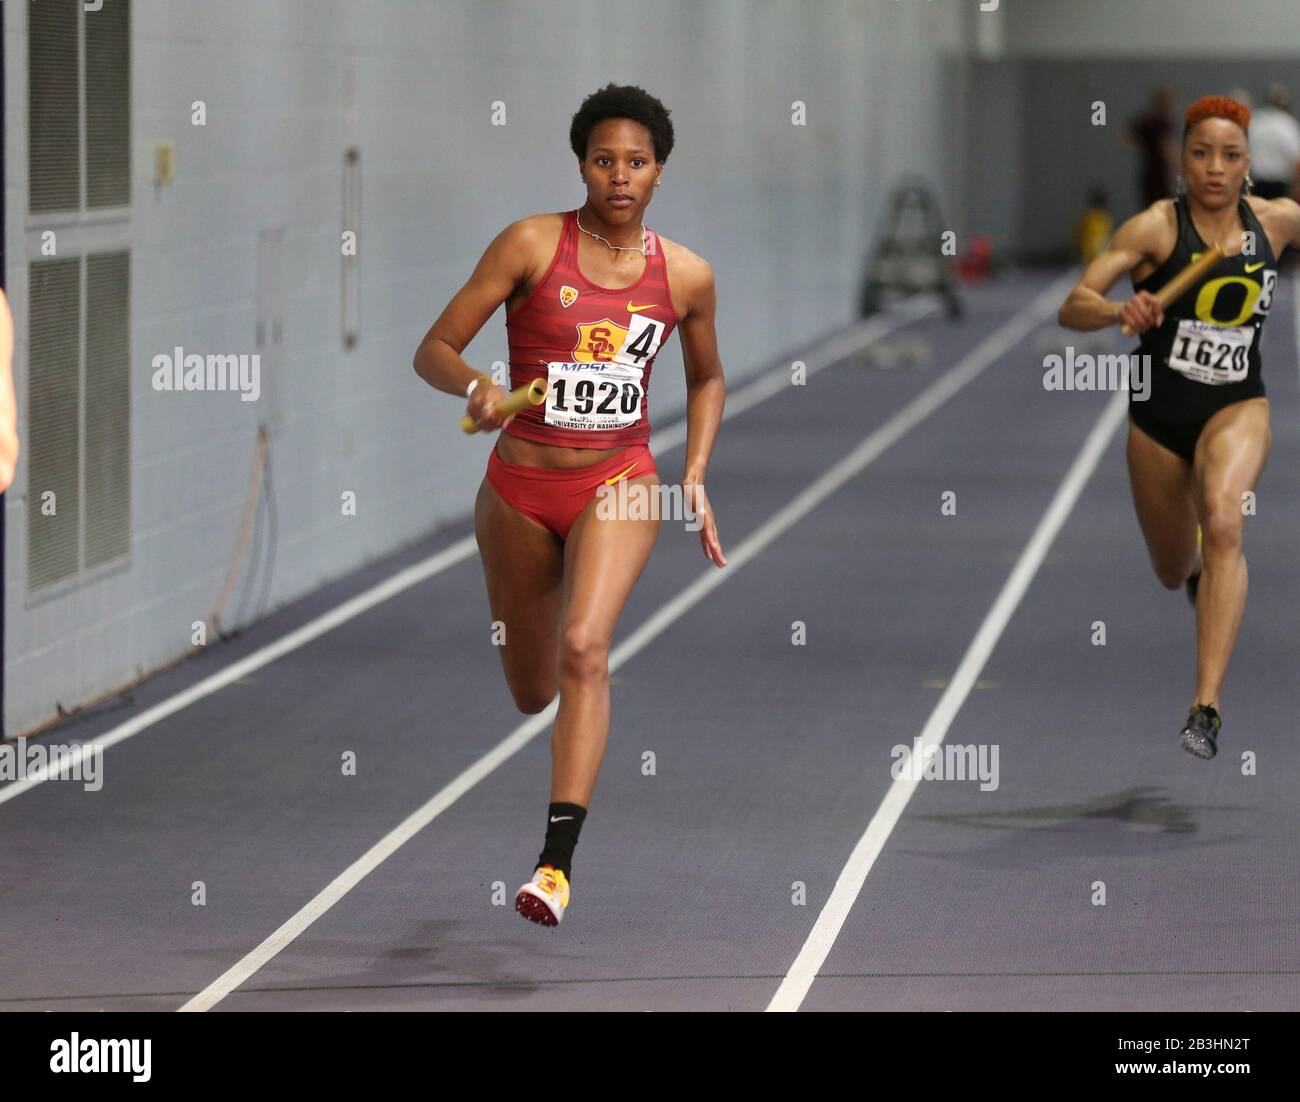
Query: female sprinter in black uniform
[[1200, 441], [590, 297]]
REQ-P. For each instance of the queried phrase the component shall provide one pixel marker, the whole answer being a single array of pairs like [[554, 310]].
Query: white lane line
[[829, 351], [915, 411], [340, 614], [793, 989]]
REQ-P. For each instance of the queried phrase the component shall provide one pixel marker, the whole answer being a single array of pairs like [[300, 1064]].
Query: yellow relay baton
[[1172, 291], [534, 394]]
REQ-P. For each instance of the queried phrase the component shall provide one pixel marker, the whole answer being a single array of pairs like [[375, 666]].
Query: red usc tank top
[[595, 347]]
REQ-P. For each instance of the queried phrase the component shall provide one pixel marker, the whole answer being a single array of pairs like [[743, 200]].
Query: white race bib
[[1212, 354], [593, 396]]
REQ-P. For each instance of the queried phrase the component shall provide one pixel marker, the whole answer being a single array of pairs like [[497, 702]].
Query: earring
[[1250, 184], [1180, 186]]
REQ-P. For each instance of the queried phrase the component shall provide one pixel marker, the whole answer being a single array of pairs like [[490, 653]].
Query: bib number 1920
[[601, 396], [593, 396]]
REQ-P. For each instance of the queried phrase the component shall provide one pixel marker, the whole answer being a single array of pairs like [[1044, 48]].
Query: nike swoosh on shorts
[[611, 481]]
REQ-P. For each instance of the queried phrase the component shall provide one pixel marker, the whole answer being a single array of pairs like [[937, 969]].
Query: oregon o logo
[[1208, 299]]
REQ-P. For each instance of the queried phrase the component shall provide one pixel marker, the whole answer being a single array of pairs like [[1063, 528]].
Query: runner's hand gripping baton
[[1172, 291], [534, 394]]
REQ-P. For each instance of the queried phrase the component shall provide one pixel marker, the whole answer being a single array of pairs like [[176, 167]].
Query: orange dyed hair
[[1216, 107]]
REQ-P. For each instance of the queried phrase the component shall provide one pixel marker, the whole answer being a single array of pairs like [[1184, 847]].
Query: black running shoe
[[1200, 736], [1193, 584]]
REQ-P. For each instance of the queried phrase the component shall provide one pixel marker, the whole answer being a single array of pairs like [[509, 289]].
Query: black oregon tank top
[[1206, 354]]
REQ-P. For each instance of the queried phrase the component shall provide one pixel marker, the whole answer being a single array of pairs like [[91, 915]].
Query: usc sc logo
[[598, 341]]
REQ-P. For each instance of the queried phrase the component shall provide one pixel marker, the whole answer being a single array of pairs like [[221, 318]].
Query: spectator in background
[[8, 407], [1275, 147], [1152, 133]]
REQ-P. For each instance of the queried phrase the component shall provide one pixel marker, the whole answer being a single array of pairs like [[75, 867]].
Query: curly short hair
[[1216, 107], [623, 101]]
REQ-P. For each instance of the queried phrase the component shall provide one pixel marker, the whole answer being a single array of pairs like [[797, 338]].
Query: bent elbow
[[418, 361]]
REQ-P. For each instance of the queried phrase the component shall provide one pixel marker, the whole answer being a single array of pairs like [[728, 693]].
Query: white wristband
[[469, 390]]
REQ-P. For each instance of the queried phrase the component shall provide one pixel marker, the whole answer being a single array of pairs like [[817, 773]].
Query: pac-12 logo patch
[[568, 296]]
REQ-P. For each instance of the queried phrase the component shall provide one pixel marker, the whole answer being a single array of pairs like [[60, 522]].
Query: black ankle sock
[[563, 822]]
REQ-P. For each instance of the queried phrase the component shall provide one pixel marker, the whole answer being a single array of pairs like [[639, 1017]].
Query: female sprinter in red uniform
[[591, 296], [1199, 442]]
